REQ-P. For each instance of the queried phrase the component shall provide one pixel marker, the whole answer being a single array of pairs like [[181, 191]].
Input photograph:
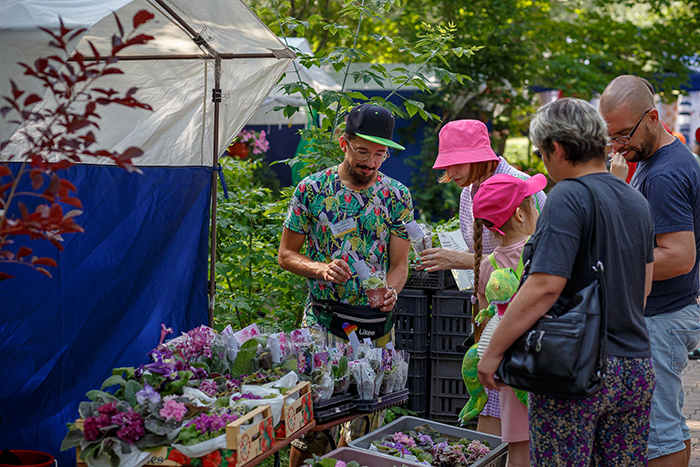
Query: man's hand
[[486, 368], [390, 299], [337, 271], [619, 166], [436, 259]]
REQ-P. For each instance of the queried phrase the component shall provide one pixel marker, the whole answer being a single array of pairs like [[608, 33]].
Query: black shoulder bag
[[564, 354]]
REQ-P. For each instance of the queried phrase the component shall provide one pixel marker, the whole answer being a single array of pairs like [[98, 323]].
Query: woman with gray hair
[[610, 427]]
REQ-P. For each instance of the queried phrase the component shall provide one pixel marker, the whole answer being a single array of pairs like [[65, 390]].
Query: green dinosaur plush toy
[[500, 290]]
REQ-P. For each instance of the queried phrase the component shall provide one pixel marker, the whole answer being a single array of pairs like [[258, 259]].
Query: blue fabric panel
[[142, 261]]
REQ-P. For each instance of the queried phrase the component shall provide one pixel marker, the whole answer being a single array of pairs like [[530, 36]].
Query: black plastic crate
[[434, 280], [412, 320], [451, 323], [418, 377], [448, 394]]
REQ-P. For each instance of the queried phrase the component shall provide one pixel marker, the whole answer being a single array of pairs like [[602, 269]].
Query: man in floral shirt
[[350, 213], [346, 214]]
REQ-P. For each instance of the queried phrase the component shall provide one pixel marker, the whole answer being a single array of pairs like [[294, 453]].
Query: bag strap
[[494, 263], [598, 269]]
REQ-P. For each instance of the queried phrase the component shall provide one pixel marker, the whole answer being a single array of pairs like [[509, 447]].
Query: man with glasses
[[669, 178], [348, 214]]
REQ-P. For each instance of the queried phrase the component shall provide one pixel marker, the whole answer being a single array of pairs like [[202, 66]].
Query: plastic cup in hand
[[376, 296]]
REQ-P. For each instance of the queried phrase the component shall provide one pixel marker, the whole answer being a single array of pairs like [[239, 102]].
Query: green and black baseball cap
[[373, 123]]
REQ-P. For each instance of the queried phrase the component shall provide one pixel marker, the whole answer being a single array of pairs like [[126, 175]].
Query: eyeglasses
[[624, 140], [363, 154]]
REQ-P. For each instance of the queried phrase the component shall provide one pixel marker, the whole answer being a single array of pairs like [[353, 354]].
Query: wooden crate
[[298, 414], [241, 446]]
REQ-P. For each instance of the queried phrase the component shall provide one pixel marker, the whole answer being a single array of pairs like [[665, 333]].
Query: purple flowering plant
[[431, 447], [108, 422], [206, 426]]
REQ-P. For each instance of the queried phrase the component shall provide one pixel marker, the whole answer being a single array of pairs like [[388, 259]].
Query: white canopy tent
[[210, 67]]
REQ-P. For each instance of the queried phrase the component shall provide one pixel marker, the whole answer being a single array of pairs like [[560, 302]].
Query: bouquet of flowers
[[430, 447]]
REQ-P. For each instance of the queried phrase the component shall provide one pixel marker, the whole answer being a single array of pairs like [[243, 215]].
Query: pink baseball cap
[[464, 142], [499, 196]]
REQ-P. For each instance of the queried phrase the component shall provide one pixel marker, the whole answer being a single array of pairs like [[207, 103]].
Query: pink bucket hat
[[464, 142], [499, 196]]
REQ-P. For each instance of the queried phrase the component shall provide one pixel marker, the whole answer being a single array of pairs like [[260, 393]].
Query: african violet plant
[[424, 444], [187, 394]]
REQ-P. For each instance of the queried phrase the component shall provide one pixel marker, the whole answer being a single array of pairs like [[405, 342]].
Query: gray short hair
[[573, 123]]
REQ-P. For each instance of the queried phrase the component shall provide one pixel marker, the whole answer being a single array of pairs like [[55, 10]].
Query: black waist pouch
[[370, 322]]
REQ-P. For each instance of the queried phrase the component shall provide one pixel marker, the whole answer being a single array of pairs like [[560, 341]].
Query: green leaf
[[129, 370], [95, 395], [72, 439], [244, 360], [113, 381], [130, 390]]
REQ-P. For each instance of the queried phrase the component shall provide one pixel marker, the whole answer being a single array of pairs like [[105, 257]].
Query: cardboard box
[[296, 415]]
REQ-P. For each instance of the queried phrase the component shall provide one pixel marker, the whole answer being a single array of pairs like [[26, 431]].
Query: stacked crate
[[412, 326], [451, 324]]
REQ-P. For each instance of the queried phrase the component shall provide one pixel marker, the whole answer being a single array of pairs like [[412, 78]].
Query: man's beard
[[646, 148], [357, 177]]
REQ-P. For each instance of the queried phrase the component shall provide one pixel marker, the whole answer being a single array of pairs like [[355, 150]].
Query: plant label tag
[[362, 270], [367, 341], [228, 331], [343, 227], [275, 348], [320, 359]]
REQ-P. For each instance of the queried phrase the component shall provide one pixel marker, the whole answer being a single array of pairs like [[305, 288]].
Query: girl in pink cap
[[466, 155], [506, 206]]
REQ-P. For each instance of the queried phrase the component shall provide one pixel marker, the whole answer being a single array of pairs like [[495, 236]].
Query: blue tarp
[[142, 261]]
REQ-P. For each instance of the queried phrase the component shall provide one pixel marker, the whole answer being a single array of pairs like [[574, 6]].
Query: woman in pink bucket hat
[[466, 155]]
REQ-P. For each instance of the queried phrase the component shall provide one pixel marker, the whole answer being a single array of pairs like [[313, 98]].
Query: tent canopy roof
[[175, 78]]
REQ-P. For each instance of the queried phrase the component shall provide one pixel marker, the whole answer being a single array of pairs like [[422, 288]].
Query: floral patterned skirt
[[610, 428]]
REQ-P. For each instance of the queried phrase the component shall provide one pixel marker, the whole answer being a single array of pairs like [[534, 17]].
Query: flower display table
[[254, 445]]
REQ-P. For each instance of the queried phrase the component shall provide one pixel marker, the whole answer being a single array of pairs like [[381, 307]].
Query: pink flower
[[340, 463], [173, 410], [209, 388]]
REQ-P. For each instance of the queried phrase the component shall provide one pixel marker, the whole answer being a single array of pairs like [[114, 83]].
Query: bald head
[[627, 91]]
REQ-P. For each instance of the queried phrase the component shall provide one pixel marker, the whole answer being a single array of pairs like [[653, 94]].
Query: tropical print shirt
[[321, 201]]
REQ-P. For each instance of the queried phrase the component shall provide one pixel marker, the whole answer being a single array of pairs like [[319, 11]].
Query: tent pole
[[216, 98]]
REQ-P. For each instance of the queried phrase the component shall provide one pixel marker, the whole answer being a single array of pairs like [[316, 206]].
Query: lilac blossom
[[147, 394]]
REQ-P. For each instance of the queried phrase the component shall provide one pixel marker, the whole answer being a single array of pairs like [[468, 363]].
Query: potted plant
[[246, 141]]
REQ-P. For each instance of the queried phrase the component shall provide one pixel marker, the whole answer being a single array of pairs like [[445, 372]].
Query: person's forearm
[[396, 276], [464, 260], [668, 265], [300, 265]]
